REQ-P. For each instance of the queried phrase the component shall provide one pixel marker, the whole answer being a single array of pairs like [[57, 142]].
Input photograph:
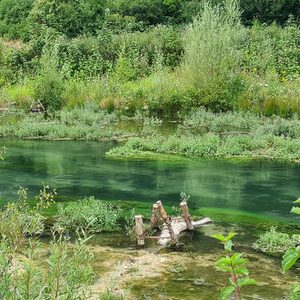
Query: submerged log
[[178, 225], [167, 220], [139, 230]]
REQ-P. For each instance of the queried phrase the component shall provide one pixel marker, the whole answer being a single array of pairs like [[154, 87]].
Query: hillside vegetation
[[157, 56]]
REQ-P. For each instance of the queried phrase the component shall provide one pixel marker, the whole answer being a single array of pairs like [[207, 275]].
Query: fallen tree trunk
[[178, 225]]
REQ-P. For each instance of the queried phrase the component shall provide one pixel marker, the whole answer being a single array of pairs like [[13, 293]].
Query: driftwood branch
[[178, 225], [167, 220], [155, 216], [186, 215], [139, 230]]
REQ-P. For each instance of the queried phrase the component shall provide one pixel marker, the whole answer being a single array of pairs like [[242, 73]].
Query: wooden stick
[[139, 230], [186, 215], [179, 226], [168, 222], [154, 217]]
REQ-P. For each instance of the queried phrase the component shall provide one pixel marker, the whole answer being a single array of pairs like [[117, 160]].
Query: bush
[[69, 17], [49, 85], [274, 242], [90, 215], [13, 18], [213, 55]]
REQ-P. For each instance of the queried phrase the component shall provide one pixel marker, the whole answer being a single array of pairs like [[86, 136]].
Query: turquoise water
[[78, 169]]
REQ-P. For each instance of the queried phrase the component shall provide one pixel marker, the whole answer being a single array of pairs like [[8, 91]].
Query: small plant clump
[[274, 242], [90, 215]]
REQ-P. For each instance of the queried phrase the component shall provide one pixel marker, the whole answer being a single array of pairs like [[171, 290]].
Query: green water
[[78, 169]]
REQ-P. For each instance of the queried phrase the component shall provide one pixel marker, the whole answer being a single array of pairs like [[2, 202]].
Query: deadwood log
[[139, 230], [178, 225], [155, 216], [167, 220], [186, 215]]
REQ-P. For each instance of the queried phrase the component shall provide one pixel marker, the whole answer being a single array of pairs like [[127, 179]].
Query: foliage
[[142, 55], [13, 18], [68, 17], [18, 220], [2, 153], [226, 241], [292, 255], [274, 242], [234, 264], [89, 215], [270, 11], [49, 84], [66, 273], [212, 145], [213, 56]]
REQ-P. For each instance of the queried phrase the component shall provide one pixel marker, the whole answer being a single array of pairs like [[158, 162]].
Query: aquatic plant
[[88, 214], [274, 242], [236, 266], [212, 145]]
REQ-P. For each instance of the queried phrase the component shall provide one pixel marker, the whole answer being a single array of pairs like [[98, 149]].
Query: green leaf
[[230, 236], [224, 264], [238, 260], [297, 201], [296, 210], [226, 292], [228, 245], [241, 271], [245, 282], [296, 288], [219, 237], [290, 257]]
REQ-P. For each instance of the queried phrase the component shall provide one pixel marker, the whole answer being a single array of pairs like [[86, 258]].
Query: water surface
[[78, 169]]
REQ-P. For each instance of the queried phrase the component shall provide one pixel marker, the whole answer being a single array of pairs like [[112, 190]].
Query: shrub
[[49, 84], [18, 220], [69, 17], [213, 55], [90, 215], [13, 18], [274, 242], [66, 273]]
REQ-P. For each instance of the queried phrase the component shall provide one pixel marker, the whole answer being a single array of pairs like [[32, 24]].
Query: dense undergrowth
[[204, 134], [124, 58]]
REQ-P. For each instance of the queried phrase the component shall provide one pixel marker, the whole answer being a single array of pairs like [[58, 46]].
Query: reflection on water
[[79, 169]]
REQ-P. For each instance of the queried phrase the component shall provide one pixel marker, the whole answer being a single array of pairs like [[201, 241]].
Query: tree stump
[[168, 223], [186, 215], [139, 230], [155, 216]]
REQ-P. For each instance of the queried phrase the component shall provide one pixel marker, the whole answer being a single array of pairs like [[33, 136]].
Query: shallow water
[[188, 273], [78, 169]]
